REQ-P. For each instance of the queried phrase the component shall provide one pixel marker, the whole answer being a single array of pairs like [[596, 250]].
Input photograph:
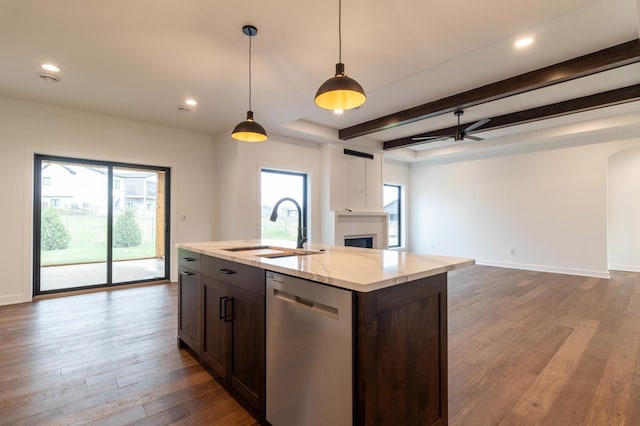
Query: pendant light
[[249, 130], [340, 92]]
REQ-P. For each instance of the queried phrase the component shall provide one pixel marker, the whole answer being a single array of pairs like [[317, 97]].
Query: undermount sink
[[271, 251]]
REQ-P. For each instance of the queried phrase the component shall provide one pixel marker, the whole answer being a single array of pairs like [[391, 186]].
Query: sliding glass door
[[98, 224]]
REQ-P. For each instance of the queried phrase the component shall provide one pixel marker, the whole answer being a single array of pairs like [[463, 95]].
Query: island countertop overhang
[[351, 268]]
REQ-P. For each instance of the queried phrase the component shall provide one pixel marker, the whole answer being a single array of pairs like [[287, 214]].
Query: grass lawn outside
[[89, 241], [282, 229]]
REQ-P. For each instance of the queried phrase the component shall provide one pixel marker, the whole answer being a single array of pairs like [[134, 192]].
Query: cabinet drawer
[[189, 259], [244, 276]]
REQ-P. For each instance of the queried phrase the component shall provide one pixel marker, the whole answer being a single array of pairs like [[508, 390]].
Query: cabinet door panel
[[189, 319], [247, 373], [336, 168], [215, 347], [356, 169], [374, 183]]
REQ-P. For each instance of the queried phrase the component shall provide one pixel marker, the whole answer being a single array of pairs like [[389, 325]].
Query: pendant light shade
[[340, 92], [249, 130]]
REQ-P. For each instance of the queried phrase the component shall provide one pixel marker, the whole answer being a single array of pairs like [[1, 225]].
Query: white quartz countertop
[[351, 268]]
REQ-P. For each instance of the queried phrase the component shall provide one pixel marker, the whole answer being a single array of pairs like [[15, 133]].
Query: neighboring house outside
[[131, 189], [393, 209]]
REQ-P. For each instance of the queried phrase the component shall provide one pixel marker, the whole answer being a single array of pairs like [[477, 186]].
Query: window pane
[[276, 185], [392, 206], [73, 225], [138, 224]]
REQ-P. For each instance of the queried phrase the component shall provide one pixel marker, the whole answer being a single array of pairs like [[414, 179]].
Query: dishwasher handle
[[304, 303]]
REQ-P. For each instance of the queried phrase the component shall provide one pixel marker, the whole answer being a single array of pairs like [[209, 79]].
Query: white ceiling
[[141, 59]]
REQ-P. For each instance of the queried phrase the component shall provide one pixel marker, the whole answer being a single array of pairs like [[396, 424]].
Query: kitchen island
[[397, 372]]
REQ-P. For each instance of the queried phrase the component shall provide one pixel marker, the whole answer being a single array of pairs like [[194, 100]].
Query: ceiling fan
[[460, 134]]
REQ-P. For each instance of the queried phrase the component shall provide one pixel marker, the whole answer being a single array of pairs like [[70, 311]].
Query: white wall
[[28, 128], [549, 206], [397, 173], [237, 177], [624, 210]]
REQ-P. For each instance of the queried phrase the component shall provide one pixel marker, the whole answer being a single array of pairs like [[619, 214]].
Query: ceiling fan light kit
[[249, 130], [340, 92]]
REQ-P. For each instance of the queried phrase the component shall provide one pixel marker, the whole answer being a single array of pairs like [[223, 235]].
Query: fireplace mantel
[[347, 223]]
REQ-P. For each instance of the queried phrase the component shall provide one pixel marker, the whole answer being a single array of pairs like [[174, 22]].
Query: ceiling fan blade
[[475, 138], [429, 138], [476, 125]]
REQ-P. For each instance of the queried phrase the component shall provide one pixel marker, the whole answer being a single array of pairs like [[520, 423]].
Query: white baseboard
[[626, 268], [543, 268], [11, 299]]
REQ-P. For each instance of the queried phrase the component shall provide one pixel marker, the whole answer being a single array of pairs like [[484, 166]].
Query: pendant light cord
[[250, 37], [340, 31]]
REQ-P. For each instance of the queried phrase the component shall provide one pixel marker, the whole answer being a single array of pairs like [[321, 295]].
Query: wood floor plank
[[610, 400], [537, 400], [496, 401]]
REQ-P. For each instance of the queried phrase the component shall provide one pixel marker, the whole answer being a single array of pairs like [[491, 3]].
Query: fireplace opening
[[364, 242]]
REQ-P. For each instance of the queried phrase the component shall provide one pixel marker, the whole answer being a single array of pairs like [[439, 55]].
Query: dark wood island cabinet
[[399, 339], [227, 299]]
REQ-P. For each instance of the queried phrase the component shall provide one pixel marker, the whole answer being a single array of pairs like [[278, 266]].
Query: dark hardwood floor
[[529, 348], [524, 348], [107, 358]]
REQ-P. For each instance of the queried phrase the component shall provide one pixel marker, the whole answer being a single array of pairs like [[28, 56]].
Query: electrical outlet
[[512, 251], [183, 217]]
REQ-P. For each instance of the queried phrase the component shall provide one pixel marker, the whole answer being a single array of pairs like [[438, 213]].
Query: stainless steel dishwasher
[[309, 353]]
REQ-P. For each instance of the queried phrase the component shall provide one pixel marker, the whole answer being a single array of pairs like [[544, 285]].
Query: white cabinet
[[355, 182]]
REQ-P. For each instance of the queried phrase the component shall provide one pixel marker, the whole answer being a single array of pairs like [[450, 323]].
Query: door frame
[[110, 165]]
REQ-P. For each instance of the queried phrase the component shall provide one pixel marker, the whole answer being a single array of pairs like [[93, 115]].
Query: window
[[276, 185], [392, 202]]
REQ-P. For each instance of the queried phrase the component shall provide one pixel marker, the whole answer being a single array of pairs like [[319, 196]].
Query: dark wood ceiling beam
[[592, 63], [585, 103]]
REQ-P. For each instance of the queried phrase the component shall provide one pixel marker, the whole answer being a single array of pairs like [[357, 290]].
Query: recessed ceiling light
[[191, 102], [523, 42], [338, 111], [50, 67]]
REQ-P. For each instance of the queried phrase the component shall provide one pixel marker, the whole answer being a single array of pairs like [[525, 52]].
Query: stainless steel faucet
[[274, 215]]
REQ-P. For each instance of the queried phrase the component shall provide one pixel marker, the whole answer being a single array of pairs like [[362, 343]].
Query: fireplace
[[364, 241], [360, 229]]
